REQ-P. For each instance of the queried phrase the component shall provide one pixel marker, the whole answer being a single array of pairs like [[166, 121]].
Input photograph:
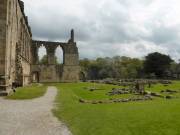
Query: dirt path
[[31, 117]]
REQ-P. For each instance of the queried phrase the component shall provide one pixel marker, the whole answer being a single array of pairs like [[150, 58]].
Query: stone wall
[[16, 34], [3, 12], [67, 72], [46, 73], [19, 64], [71, 67], [70, 73]]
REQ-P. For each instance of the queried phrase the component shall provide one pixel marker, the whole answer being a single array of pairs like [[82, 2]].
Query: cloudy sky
[[109, 27]]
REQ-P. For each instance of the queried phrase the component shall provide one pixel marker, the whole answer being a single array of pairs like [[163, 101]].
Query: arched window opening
[[59, 55], [42, 55]]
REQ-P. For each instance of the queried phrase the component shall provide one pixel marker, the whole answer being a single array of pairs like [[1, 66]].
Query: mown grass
[[28, 92], [156, 117]]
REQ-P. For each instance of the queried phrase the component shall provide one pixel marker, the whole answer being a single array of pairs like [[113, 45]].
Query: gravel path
[[31, 117]]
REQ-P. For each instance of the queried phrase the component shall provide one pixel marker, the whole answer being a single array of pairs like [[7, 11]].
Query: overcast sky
[[109, 27]]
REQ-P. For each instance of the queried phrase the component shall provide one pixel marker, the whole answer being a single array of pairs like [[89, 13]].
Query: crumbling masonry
[[19, 64]]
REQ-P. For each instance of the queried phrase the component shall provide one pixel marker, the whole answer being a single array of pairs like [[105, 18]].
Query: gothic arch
[[52, 72], [59, 55], [50, 50], [41, 49]]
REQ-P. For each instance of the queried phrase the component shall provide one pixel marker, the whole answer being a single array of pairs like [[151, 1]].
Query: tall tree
[[157, 63]]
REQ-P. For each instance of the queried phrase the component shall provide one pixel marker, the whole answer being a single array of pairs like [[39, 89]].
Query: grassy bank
[[156, 117], [28, 92]]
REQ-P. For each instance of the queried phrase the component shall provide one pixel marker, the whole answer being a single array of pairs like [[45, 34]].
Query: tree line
[[154, 65]]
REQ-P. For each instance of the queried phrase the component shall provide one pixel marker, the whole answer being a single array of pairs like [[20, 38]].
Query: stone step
[[2, 87], [3, 93]]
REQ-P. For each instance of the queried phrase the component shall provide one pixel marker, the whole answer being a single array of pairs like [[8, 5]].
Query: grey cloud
[[106, 28], [128, 2], [140, 47], [163, 35], [58, 29]]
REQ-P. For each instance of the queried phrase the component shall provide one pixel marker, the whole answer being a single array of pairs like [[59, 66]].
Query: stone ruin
[[19, 64], [52, 72], [133, 87]]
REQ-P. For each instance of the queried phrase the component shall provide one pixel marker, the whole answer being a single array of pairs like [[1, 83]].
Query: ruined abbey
[[19, 62]]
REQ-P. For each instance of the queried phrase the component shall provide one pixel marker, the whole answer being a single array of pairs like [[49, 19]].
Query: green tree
[[157, 63], [44, 60], [85, 63]]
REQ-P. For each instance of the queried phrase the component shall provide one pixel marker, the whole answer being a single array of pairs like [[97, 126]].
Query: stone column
[[72, 35], [3, 15], [71, 63], [34, 53], [71, 40], [51, 54]]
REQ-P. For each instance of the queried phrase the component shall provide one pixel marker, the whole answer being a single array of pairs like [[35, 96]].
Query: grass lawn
[[28, 92], [156, 117]]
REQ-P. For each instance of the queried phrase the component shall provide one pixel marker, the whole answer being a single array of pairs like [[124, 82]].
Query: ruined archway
[[42, 55], [68, 71], [35, 77], [59, 55]]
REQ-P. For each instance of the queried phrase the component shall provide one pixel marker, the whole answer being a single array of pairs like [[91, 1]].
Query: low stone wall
[[54, 73]]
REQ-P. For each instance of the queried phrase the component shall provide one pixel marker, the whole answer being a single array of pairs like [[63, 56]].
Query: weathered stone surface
[[15, 40], [3, 12], [19, 53], [120, 100], [67, 72]]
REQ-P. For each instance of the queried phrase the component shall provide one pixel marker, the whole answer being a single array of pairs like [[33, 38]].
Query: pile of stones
[[165, 82], [124, 82], [133, 86], [137, 88], [144, 98], [113, 82], [127, 82], [153, 94], [105, 81], [169, 91], [91, 88], [95, 101], [118, 91], [132, 99], [156, 94]]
